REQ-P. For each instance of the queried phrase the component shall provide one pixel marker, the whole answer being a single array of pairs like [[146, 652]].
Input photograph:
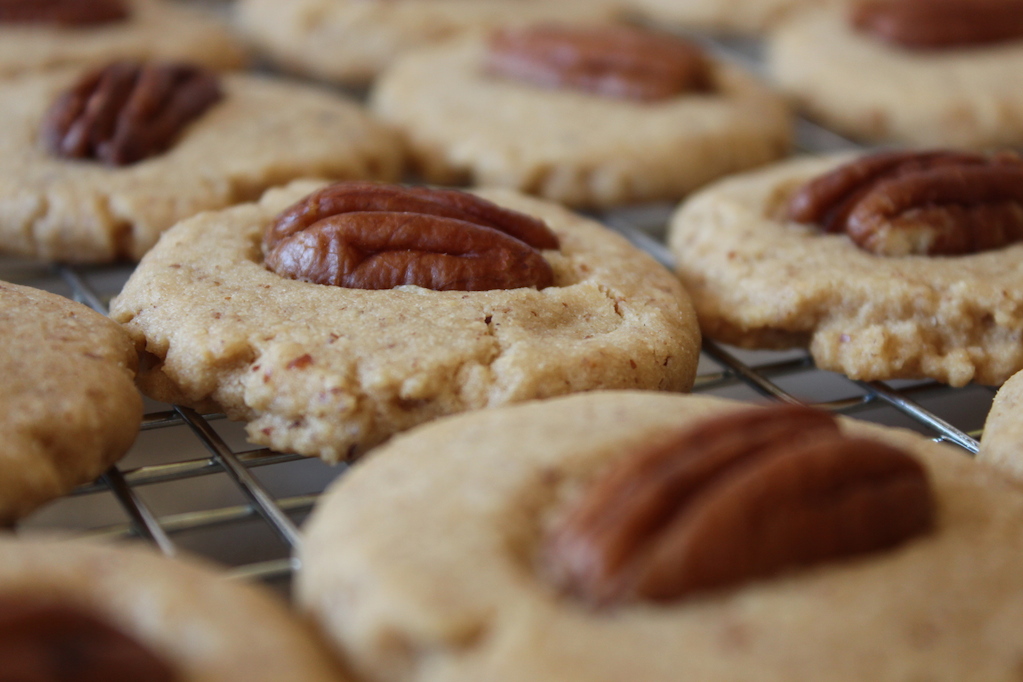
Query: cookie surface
[[155, 29], [849, 81], [722, 16], [262, 133], [1002, 442], [68, 404], [351, 41], [570, 146], [207, 627], [761, 282], [407, 583], [329, 371]]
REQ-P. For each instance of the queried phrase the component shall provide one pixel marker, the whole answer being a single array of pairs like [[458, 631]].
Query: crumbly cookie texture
[[208, 627], [759, 281], [68, 404], [351, 41], [945, 606], [156, 29], [722, 16], [573, 147], [960, 97], [264, 132], [1002, 442], [329, 371]]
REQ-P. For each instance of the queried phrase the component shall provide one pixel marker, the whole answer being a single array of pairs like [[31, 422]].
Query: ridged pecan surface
[[627, 63], [734, 499], [936, 24], [45, 641], [127, 112], [904, 203], [364, 235], [62, 12]]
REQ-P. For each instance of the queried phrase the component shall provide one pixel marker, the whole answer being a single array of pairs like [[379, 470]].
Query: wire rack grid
[[192, 483]]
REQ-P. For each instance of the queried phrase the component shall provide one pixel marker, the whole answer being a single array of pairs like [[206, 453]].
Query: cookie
[[1001, 444], [351, 41], [330, 371], [721, 16], [759, 280], [261, 133], [200, 625], [152, 29], [68, 405], [857, 84], [386, 585], [574, 147]]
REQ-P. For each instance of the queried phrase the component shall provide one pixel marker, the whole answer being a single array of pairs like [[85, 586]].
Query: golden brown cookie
[[204, 626], [456, 573], [1002, 442], [968, 96], [153, 29], [68, 405], [572, 146], [330, 371], [263, 132], [351, 41], [759, 280]]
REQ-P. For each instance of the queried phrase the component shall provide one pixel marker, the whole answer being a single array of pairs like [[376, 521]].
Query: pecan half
[[622, 62], [364, 235], [935, 24], [62, 12], [933, 203], [44, 641], [736, 498], [127, 112]]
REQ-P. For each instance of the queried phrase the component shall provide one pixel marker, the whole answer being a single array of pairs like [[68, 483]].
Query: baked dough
[[721, 16], [68, 405], [424, 570], [209, 628], [329, 371], [1002, 442], [573, 147], [264, 132], [156, 29], [960, 97], [761, 282], [351, 41]]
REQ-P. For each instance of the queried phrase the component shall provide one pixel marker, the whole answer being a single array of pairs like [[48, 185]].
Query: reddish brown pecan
[[44, 641], [935, 24], [734, 499], [62, 12], [627, 63], [127, 112], [934, 203], [364, 235]]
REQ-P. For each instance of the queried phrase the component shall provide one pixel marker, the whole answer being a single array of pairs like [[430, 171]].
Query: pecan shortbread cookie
[[564, 114], [64, 196], [1002, 442], [125, 613], [775, 554], [351, 41], [941, 85], [320, 367], [762, 279], [722, 16], [68, 405], [64, 33]]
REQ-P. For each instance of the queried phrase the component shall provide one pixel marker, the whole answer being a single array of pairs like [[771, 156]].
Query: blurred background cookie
[[721, 16]]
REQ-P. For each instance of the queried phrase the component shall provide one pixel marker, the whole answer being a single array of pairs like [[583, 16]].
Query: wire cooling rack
[[191, 483]]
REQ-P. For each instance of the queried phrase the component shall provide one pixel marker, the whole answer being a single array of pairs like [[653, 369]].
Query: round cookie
[[68, 404], [569, 146], [454, 572], [207, 627], [1001, 445], [351, 41], [958, 97], [330, 371], [262, 133], [155, 29], [721, 16], [758, 281]]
